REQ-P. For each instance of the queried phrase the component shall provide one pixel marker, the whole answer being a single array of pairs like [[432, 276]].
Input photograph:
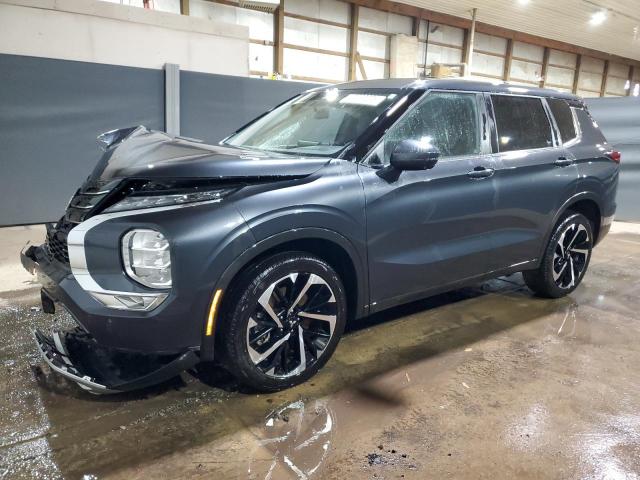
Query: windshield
[[316, 123]]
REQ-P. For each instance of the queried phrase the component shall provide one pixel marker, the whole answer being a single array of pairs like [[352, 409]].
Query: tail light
[[615, 156]]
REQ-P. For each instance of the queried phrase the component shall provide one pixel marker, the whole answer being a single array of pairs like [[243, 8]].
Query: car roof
[[454, 84]]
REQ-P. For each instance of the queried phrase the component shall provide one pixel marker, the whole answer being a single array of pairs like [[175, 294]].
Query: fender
[[563, 208], [306, 233]]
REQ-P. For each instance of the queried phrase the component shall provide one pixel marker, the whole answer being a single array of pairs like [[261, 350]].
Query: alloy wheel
[[291, 325], [571, 255]]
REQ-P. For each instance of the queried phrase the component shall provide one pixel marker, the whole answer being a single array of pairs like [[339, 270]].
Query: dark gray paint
[[619, 119]]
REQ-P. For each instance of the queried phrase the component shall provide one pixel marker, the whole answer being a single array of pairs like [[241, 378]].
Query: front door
[[428, 229]]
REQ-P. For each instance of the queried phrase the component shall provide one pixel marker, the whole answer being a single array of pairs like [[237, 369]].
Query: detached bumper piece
[[76, 356]]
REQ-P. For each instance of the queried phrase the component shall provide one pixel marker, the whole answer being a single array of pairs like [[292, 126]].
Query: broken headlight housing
[[151, 198], [147, 258]]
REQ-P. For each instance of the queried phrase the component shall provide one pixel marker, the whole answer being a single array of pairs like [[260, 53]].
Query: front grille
[[56, 242], [85, 202]]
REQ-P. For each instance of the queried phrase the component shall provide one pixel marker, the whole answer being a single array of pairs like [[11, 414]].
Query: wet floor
[[486, 382]]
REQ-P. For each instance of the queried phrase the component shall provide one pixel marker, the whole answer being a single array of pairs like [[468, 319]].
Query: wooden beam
[[353, 41], [630, 77], [605, 74], [278, 39], [415, 28], [507, 61], [184, 7], [361, 66], [317, 50], [576, 74], [316, 20], [454, 21], [467, 50], [545, 66]]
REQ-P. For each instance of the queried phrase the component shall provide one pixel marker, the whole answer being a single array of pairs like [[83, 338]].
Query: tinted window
[[522, 123], [564, 119], [448, 121]]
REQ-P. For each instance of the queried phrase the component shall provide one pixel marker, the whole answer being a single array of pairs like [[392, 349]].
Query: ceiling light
[[523, 2], [598, 17]]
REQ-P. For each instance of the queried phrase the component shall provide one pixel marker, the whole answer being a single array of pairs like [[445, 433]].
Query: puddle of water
[[293, 442]]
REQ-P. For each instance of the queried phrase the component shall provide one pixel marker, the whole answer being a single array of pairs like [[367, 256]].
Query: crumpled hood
[[156, 155]]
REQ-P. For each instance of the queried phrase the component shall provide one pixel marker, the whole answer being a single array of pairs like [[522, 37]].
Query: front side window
[[522, 123], [564, 118], [445, 120], [318, 123]]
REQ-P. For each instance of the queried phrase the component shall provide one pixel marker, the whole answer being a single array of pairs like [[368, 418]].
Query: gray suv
[[341, 202]]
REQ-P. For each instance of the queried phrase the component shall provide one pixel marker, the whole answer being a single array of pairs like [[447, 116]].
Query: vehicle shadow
[[207, 404]]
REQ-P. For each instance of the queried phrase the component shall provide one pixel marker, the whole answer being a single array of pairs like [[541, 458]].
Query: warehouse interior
[[482, 381]]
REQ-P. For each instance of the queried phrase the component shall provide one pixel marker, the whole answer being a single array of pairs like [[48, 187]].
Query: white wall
[[101, 32]]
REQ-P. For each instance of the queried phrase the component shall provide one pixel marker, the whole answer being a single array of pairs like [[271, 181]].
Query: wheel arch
[[585, 203], [332, 247]]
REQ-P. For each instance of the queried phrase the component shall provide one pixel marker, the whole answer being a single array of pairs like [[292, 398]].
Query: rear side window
[[522, 123], [564, 119]]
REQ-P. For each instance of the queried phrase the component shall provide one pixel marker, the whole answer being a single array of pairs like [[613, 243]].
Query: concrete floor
[[487, 382]]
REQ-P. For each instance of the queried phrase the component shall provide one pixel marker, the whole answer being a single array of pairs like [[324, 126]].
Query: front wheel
[[284, 319], [566, 258]]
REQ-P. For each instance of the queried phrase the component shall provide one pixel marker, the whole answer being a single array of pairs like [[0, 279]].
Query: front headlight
[[146, 258], [137, 201]]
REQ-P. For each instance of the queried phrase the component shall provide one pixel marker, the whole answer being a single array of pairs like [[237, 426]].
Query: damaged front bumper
[[76, 354], [77, 357]]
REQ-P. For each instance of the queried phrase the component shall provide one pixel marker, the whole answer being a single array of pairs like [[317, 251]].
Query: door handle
[[563, 162], [481, 172]]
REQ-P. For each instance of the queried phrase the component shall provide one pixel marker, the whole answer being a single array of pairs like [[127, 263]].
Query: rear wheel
[[285, 317], [566, 258]]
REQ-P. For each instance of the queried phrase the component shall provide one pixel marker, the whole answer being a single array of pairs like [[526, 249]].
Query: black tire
[[248, 330], [562, 268]]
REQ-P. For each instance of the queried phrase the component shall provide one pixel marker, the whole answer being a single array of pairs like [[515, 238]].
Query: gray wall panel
[[52, 110], [619, 119], [50, 114], [214, 106]]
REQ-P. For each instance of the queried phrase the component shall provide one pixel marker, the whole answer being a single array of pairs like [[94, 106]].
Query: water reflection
[[293, 441]]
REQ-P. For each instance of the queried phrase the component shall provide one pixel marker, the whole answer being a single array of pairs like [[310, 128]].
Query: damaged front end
[[76, 356]]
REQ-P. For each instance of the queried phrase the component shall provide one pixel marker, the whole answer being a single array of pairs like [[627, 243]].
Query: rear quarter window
[[522, 123], [564, 119]]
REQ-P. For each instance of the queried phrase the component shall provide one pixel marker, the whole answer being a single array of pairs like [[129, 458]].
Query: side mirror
[[414, 155]]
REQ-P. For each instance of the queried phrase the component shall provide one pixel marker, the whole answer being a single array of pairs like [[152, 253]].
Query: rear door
[[427, 229], [534, 176]]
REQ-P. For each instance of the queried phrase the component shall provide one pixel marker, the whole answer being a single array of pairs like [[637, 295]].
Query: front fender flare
[[273, 241]]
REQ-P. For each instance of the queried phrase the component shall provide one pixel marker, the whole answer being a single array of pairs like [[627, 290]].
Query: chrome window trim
[[576, 125]]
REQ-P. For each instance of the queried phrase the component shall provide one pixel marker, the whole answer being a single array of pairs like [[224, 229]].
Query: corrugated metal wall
[[619, 119]]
